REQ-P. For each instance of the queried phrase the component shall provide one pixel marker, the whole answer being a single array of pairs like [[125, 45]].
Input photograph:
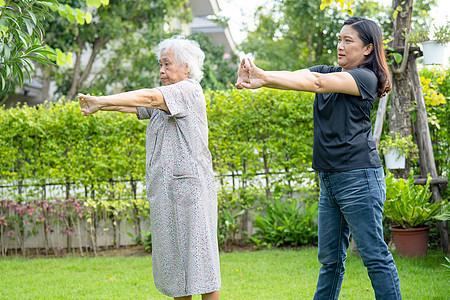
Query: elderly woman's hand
[[250, 76], [88, 104]]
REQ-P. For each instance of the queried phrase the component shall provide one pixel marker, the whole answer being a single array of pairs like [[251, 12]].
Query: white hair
[[186, 52]]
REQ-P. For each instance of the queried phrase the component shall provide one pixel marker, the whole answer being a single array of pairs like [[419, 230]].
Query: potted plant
[[397, 149], [408, 206], [433, 45]]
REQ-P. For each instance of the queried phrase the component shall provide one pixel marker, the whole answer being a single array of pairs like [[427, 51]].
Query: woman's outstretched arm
[[123, 109], [123, 102], [301, 80]]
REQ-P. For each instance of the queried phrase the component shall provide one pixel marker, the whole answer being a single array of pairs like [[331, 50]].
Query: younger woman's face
[[351, 50]]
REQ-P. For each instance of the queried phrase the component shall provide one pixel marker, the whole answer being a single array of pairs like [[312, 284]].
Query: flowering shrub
[[430, 82], [435, 83], [62, 217]]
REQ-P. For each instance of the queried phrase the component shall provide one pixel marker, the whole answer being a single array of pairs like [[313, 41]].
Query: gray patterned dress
[[181, 192]]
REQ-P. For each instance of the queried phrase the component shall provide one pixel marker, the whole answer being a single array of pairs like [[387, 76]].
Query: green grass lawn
[[266, 274]]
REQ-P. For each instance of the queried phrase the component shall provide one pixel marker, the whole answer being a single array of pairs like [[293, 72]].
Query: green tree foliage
[[293, 35], [20, 40], [22, 32], [141, 68], [120, 32]]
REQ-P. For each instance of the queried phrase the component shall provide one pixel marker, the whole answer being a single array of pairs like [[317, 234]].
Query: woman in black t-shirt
[[352, 185]]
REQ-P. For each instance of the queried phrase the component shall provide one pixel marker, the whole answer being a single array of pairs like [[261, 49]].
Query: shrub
[[286, 223]]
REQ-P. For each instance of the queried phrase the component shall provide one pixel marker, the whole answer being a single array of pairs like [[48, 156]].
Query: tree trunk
[[399, 116], [78, 81], [76, 70], [267, 175]]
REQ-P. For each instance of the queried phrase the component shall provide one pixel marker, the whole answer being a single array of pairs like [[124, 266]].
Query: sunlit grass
[[267, 274]]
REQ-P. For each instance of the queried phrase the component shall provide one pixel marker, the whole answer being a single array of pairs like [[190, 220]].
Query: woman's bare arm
[[301, 80], [151, 98], [123, 109]]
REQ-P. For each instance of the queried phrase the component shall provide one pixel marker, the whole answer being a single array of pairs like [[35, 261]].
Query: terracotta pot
[[410, 242]]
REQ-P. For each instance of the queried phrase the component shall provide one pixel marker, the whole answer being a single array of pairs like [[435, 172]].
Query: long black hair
[[370, 33]]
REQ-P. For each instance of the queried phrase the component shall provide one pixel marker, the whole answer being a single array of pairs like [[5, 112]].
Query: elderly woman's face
[[170, 71], [351, 50]]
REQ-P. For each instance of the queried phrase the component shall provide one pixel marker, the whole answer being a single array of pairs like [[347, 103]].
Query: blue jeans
[[353, 202]]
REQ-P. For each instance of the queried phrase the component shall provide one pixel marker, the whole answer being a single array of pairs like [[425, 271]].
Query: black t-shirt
[[342, 127]]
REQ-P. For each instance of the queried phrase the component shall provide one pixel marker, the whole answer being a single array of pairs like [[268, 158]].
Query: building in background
[[202, 9]]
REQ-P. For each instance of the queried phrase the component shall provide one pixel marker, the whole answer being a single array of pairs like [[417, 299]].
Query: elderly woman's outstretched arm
[[124, 102]]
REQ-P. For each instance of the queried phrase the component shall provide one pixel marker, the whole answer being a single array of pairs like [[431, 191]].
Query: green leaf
[[39, 59], [397, 57], [50, 2], [2, 3], [54, 6], [8, 70], [88, 18], [18, 72], [68, 9], [80, 16], [394, 15], [29, 26], [63, 59], [71, 18], [6, 52], [3, 81], [23, 38], [45, 52], [95, 3], [33, 17]]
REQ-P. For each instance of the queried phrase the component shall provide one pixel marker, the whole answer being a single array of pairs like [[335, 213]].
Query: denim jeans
[[353, 202]]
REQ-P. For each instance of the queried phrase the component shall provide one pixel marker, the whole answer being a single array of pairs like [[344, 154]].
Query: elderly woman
[[352, 186], [179, 175]]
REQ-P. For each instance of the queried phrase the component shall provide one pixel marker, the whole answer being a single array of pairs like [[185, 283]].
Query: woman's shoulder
[[367, 82], [366, 76], [186, 87], [189, 82], [325, 69], [363, 72]]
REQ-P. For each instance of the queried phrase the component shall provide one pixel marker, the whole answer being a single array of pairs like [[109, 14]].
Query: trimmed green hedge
[[265, 134], [53, 143]]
